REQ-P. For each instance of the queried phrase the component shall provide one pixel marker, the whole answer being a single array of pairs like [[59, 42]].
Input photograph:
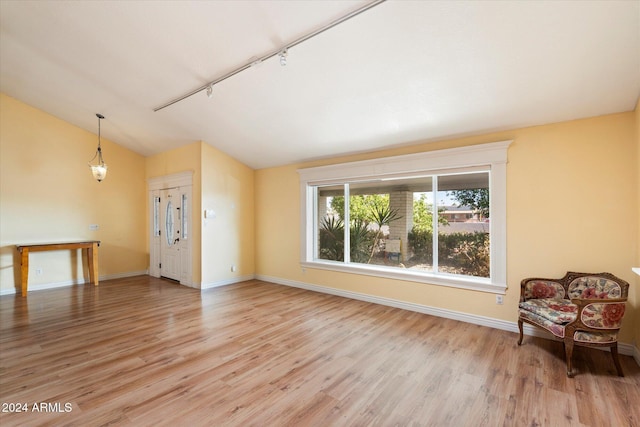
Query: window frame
[[489, 156]]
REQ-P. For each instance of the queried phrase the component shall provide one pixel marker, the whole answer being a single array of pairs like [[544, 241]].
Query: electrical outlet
[[38, 271], [233, 268], [499, 299]]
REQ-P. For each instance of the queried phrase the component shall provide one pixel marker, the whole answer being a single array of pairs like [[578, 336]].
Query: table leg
[[24, 270], [92, 255]]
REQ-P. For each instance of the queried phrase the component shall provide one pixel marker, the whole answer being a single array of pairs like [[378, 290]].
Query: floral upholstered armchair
[[580, 309]]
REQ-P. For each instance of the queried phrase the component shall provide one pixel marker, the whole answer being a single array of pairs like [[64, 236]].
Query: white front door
[[170, 231], [170, 237]]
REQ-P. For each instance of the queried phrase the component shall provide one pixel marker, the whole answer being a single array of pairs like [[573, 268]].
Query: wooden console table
[[92, 257]]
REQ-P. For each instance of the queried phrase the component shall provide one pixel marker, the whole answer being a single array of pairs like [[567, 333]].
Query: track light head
[[283, 57]]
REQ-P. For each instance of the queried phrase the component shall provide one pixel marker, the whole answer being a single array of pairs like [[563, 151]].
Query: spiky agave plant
[[332, 239], [360, 240], [381, 215]]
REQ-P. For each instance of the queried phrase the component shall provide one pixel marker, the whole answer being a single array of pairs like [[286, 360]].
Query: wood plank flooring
[[147, 352]]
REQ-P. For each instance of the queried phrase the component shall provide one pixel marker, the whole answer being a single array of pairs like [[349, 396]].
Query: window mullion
[[434, 190], [347, 234], [316, 221]]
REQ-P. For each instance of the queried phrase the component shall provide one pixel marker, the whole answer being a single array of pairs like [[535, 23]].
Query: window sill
[[441, 279]]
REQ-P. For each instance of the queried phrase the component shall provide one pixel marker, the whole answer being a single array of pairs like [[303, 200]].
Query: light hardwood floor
[[147, 352]]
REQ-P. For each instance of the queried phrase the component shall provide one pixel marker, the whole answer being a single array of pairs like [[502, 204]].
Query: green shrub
[[466, 253], [421, 244], [471, 255]]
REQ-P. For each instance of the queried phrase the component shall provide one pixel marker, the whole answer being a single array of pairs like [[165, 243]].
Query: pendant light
[[98, 170]]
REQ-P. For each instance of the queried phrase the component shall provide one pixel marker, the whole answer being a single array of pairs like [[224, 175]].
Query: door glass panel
[[169, 223], [156, 216], [185, 213]]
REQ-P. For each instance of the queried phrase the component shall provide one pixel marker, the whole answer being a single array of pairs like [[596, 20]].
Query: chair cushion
[[559, 311], [554, 328], [595, 337]]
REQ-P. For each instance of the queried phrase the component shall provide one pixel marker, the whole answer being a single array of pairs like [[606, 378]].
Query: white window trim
[[492, 156]]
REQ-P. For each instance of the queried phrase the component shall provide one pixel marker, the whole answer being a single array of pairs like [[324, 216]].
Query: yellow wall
[[571, 205], [228, 238], [47, 193]]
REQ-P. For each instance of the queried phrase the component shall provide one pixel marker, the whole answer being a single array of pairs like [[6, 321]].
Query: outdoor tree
[[423, 215], [476, 198], [360, 206]]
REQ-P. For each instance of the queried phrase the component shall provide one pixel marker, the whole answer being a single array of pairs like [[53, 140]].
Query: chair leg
[[616, 360], [568, 352], [520, 328]]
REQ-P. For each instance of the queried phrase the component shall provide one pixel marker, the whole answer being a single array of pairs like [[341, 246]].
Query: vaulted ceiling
[[401, 72]]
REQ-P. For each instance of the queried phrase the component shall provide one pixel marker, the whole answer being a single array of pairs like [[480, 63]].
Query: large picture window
[[437, 217]]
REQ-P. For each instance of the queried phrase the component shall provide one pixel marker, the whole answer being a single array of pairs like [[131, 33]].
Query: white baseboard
[[623, 348], [226, 282], [53, 285]]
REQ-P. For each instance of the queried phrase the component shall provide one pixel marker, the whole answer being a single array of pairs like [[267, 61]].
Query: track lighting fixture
[[280, 52], [98, 170], [283, 57]]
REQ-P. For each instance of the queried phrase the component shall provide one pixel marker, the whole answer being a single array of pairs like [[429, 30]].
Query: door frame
[[182, 180]]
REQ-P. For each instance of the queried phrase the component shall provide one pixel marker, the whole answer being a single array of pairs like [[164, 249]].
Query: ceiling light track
[[279, 52]]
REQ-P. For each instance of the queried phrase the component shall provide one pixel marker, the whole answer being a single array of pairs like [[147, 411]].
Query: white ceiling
[[401, 72]]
